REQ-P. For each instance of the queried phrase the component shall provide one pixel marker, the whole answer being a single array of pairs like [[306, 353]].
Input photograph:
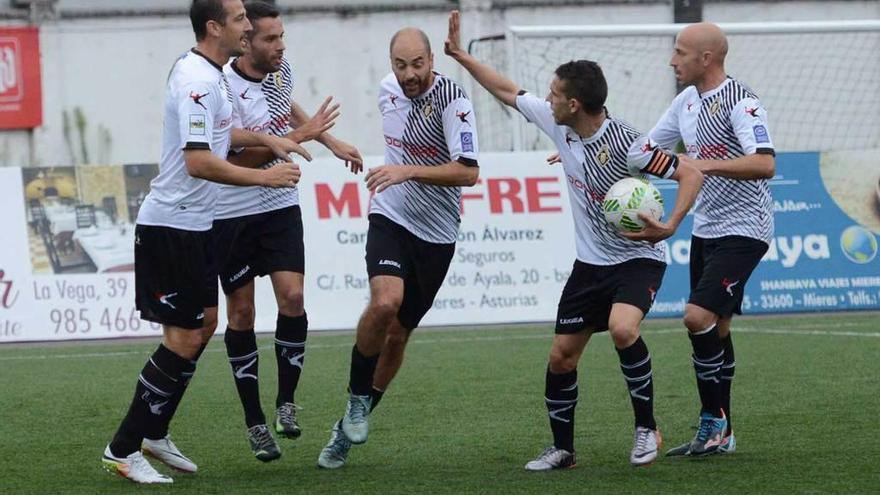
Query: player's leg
[[561, 397], [390, 359], [291, 331], [635, 363], [634, 284], [158, 444], [170, 269], [728, 370], [335, 454], [578, 310]]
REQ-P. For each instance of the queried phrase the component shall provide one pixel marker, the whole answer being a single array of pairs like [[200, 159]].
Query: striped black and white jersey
[[432, 129], [722, 124], [592, 165], [259, 106], [198, 116]]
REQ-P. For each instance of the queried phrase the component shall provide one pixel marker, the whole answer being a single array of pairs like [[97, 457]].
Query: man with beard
[[258, 230]]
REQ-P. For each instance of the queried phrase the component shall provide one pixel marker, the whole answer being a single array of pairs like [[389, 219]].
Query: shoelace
[[642, 439], [357, 409], [139, 463], [339, 444], [706, 427], [287, 413], [261, 435], [548, 454]]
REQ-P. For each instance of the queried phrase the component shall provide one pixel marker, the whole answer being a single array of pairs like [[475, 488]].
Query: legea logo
[[8, 295], [11, 87], [858, 244]]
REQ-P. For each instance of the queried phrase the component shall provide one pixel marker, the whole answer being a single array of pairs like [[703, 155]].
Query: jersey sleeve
[[537, 111], [460, 130], [666, 132], [197, 104], [749, 121], [645, 156]]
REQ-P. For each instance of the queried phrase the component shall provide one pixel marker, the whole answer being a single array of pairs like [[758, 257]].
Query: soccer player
[[614, 279], [726, 136], [174, 280], [430, 152], [258, 230]]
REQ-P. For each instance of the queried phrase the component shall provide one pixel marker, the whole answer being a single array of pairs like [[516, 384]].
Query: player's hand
[[321, 122], [282, 175], [384, 176], [653, 232], [554, 159], [347, 153], [452, 45], [687, 160], [282, 147]]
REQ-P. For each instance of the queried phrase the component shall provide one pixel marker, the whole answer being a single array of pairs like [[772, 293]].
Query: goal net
[[820, 81]]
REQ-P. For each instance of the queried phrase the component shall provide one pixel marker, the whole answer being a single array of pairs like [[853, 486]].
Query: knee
[[241, 316], [184, 343], [562, 361], [385, 307], [696, 321], [290, 303], [623, 335]]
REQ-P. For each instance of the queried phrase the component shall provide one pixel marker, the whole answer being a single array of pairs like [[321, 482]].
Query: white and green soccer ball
[[626, 198]]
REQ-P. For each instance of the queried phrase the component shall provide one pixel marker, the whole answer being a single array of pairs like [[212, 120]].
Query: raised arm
[[502, 88]]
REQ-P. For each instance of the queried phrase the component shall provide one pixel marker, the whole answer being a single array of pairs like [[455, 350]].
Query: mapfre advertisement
[[21, 100], [67, 257]]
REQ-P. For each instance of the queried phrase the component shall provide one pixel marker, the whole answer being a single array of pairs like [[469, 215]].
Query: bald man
[[724, 129], [430, 153]]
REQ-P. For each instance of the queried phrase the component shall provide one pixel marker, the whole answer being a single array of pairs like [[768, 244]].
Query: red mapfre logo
[[502, 195], [21, 105]]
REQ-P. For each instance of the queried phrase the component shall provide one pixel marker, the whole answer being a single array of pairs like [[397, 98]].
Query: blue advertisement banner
[[824, 252]]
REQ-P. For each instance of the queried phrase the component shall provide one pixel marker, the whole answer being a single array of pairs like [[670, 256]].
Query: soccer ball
[[626, 199]]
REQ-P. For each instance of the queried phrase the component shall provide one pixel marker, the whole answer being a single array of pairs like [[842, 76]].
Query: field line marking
[[491, 338]]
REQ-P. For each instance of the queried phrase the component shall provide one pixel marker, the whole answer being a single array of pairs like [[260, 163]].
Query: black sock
[[635, 362], [377, 396], [290, 350], [360, 380], [728, 369], [185, 378], [707, 358], [158, 382], [241, 347], [561, 395]]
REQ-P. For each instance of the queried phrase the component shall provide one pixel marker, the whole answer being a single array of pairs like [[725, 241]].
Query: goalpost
[[820, 81]]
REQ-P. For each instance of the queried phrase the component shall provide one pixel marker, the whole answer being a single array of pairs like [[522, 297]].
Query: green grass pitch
[[466, 413]]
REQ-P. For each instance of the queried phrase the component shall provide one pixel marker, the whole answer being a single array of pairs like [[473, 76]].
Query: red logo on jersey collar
[[568, 139], [197, 99], [244, 95], [393, 99], [690, 105]]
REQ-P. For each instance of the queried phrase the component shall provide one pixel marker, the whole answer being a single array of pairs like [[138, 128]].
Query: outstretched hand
[[321, 122], [452, 45]]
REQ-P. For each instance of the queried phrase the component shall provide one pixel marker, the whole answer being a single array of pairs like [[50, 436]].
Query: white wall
[[115, 69]]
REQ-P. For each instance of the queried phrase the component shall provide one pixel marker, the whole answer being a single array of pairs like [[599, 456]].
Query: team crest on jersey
[[428, 109], [714, 107], [603, 156], [279, 81]]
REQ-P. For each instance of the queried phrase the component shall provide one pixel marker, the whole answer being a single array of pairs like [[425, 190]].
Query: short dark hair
[[202, 11], [257, 10], [585, 82]]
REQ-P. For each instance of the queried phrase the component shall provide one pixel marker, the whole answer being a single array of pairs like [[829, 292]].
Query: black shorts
[[174, 275], [393, 250], [720, 268], [591, 291], [255, 245]]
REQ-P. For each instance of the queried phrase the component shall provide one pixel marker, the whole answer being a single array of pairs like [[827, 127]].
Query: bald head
[[705, 37], [410, 40]]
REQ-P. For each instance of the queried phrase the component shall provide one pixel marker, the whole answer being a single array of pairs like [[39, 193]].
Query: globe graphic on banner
[[858, 244]]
